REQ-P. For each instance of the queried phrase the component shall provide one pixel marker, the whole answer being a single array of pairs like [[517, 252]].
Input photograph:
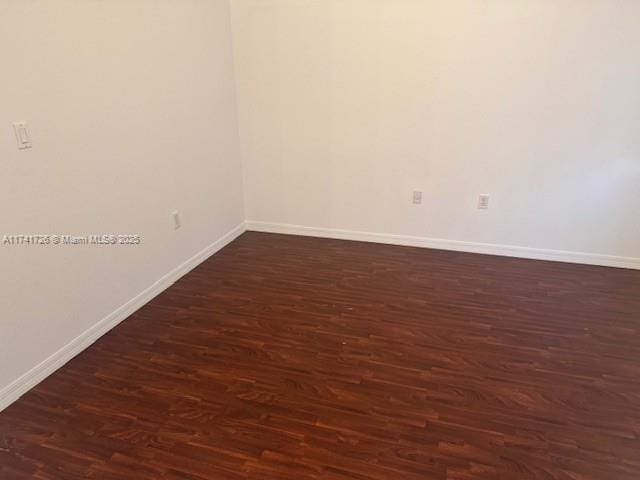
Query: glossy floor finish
[[298, 358]]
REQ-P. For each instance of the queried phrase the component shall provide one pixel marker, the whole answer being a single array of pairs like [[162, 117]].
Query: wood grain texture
[[300, 358]]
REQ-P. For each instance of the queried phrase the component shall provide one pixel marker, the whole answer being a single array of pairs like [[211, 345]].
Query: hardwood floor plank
[[287, 357]]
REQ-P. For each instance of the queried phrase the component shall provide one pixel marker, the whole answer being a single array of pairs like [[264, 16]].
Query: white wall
[[346, 106], [132, 110]]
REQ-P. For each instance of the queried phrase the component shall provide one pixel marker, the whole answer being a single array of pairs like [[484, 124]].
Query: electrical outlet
[[417, 197], [483, 202], [177, 223]]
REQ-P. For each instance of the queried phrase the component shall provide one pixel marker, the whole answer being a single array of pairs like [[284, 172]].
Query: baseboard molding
[[441, 244], [19, 387]]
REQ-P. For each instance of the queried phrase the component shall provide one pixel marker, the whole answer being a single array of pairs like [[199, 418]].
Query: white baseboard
[[19, 387], [441, 244]]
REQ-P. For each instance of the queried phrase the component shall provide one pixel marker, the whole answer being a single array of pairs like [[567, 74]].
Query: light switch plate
[[23, 136]]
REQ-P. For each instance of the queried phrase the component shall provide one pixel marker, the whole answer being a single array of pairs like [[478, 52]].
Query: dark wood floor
[[298, 358]]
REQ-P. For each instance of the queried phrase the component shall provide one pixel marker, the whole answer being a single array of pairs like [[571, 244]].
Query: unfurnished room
[[320, 239]]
